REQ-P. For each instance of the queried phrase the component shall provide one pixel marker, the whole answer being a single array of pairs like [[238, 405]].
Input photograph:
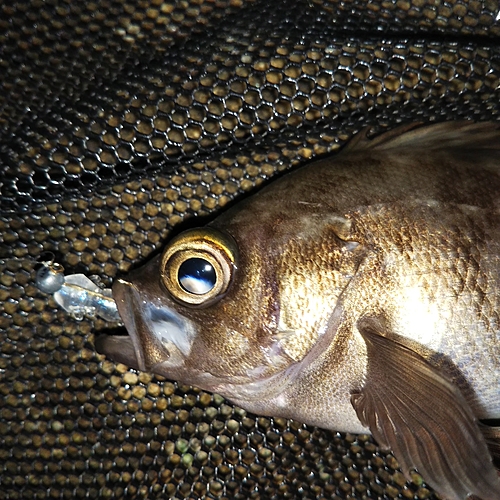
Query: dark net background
[[121, 118]]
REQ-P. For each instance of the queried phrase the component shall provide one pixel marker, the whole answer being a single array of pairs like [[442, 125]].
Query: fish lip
[[152, 343], [119, 348], [123, 294]]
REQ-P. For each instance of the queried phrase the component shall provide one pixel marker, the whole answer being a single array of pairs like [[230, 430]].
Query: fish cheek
[[414, 410], [223, 350], [233, 333], [218, 352]]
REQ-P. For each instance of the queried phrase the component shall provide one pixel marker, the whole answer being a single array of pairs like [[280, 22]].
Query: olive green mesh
[[118, 119]]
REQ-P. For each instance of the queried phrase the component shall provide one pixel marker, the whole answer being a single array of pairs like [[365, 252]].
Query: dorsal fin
[[458, 135]]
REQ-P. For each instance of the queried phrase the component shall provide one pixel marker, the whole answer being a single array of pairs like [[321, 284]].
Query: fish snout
[[126, 349]]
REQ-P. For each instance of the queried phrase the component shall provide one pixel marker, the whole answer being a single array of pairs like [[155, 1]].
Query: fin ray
[[455, 136], [441, 440]]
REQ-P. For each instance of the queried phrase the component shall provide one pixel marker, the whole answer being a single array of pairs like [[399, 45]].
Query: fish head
[[231, 306]]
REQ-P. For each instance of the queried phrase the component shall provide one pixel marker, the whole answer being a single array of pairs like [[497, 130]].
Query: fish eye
[[197, 276], [198, 266]]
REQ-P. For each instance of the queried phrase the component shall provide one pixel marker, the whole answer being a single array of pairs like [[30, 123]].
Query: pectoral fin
[[416, 412], [492, 436]]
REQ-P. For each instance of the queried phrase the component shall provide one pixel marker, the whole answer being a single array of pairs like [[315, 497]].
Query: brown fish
[[360, 293]]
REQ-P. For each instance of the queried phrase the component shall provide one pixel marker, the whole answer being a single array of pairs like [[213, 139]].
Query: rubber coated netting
[[119, 119]]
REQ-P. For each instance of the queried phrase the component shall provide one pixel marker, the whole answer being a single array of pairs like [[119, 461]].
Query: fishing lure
[[76, 293]]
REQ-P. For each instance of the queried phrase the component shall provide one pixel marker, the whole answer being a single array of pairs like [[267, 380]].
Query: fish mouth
[[160, 341], [158, 338], [126, 349]]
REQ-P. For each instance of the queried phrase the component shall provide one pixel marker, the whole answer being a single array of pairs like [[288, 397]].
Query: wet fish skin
[[365, 297]]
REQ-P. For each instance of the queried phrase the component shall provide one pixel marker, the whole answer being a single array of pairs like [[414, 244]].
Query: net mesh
[[120, 119]]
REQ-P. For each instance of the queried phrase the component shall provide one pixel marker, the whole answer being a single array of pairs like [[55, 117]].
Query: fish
[[358, 293]]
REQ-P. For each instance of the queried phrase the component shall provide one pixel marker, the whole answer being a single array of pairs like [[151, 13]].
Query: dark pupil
[[197, 276]]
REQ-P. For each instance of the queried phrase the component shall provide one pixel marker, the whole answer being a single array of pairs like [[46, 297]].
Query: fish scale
[[57, 110]]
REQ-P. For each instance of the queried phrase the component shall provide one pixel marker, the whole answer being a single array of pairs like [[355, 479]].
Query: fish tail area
[[491, 432]]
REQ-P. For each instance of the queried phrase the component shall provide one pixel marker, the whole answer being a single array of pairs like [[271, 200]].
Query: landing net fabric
[[120, 119]]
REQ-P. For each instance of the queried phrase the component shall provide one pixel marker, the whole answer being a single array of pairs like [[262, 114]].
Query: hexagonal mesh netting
[[119, 119]]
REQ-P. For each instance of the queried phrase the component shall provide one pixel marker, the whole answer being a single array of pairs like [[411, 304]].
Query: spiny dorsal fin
[[458, 135]]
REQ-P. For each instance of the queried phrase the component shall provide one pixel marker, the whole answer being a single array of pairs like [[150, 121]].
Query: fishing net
[[120, 119]]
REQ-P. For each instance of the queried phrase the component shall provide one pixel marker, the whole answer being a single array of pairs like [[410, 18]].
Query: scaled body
[[360, 293]]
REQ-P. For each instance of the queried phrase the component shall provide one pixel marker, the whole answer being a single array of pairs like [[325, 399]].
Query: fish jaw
[[125, 307], [156, 334], [160, 341], [126, 349]]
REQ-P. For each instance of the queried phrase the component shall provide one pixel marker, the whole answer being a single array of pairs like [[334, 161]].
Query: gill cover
[[198, 266]]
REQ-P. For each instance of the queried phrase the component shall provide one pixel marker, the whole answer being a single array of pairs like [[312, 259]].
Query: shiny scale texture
[[118, 120]]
